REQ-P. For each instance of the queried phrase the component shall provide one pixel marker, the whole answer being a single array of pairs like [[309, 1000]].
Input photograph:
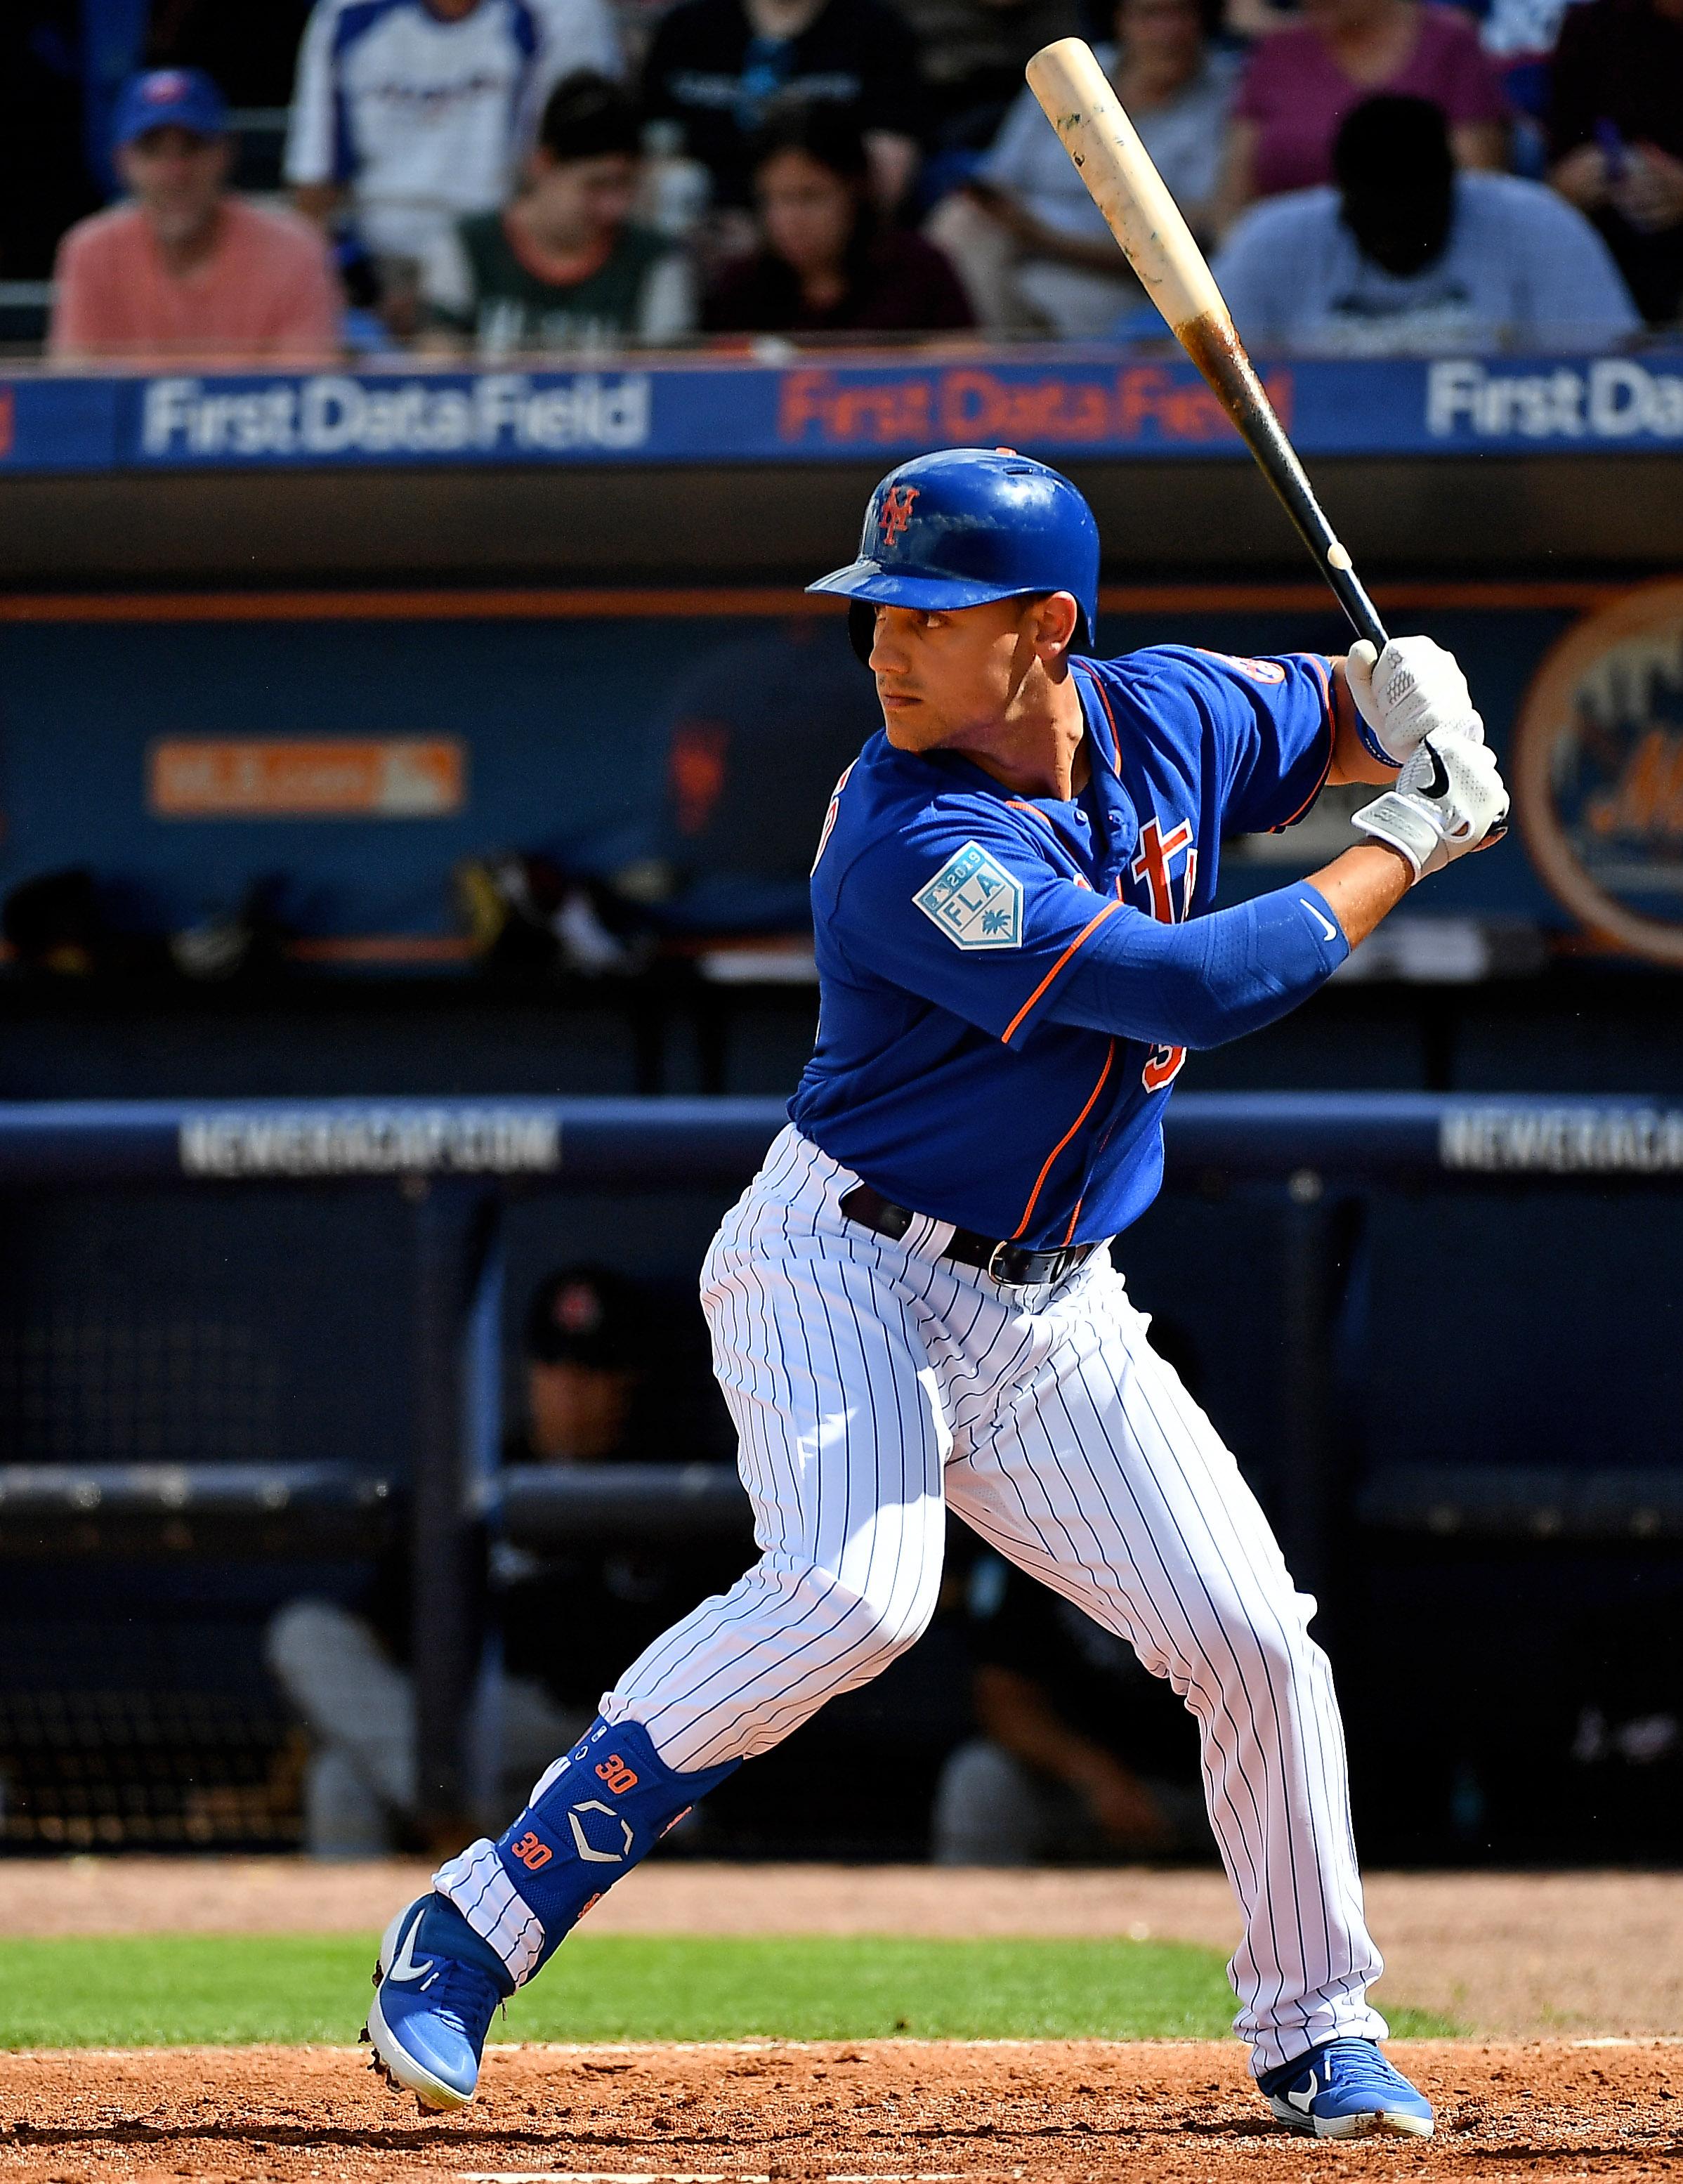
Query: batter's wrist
[[1371, 744], [1402, 855]]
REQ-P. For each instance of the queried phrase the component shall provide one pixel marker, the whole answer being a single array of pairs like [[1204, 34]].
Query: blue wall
[[567, 726]]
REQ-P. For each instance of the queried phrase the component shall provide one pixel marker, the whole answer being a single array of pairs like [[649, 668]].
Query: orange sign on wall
[[305, 778]]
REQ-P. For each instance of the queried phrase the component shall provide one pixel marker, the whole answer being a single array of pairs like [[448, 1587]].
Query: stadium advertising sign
[[492, 413], [235, 1144], [305, 777], [1090, 401], [1615, 399], [1492, 1140], [1597, 771]]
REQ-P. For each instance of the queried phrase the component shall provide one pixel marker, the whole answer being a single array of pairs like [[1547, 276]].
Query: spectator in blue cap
[[181, 267]]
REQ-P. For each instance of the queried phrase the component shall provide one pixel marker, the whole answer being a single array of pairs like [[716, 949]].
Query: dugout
[[179, 590]]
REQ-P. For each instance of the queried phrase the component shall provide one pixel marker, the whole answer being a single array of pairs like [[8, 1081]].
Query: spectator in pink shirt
[[184, 269], [1302, 82]]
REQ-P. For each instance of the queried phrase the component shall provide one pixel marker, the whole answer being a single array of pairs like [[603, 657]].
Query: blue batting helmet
[[968, 525]]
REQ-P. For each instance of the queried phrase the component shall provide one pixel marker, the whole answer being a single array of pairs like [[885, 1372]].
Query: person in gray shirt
[[1030, 245], [1408, 257]]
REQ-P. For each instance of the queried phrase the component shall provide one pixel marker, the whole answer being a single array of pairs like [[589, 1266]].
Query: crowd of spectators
[[500, 177]]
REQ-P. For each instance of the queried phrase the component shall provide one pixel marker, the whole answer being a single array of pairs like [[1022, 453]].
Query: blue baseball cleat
[[437, 1986], [1346, 2090]]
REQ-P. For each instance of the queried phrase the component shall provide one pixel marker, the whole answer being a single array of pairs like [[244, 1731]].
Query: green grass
[[145, 1990]]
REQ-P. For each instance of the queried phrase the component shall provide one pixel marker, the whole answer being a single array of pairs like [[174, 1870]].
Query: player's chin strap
[[594, 1816]]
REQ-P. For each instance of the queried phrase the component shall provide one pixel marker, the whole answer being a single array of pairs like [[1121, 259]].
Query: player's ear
[[1056, 616]]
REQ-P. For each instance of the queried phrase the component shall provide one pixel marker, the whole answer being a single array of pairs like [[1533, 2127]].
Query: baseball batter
[[913, 1306]]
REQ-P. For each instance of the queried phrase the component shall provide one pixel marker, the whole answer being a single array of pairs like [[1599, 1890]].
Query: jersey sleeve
[[312, 154], [1270, 720], [958, 909], [961, 910]]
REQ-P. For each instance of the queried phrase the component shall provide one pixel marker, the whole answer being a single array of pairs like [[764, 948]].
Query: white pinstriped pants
[[873, 1384]]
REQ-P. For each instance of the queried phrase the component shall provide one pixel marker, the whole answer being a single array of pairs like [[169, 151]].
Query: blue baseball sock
[[594, 1816]]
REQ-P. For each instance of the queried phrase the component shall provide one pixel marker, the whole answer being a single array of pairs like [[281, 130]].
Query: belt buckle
[[992, 1268]]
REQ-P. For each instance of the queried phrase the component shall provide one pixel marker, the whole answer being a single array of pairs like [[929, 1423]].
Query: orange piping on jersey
[[1092, 926], [1051, 1157], [1069, 1233], [1114, 754], [1332, 732]]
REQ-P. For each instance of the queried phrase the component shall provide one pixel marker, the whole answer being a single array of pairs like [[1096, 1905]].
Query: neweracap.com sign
[[1108, 405]]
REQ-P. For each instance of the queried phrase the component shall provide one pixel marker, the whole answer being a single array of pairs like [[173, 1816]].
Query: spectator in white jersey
[[409, 114], [1406, 257], [564, 267], [1030, 244]]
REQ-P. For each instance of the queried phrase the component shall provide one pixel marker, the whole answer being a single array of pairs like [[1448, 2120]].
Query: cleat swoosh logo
[[1303, 2102], [403, 1967]]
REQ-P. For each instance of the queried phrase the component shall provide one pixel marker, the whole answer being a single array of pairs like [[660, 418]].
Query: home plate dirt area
[[866, 2114], [1570, 1987]]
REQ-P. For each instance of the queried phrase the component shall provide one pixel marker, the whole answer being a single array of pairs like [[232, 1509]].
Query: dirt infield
[[1088, 2112], [1508, 1955]]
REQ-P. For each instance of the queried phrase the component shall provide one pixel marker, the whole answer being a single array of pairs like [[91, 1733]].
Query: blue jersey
[[998, 1003]]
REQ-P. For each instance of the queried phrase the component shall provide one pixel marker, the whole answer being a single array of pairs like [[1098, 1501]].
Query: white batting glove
[[1409, 691], [1449, 798]]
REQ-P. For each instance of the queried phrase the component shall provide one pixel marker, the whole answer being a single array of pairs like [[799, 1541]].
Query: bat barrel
[[1081, 104]]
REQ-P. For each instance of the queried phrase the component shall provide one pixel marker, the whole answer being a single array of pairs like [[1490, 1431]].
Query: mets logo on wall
[[1599, 772]]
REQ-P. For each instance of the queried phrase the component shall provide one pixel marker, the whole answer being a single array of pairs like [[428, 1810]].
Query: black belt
[[1006, 1263]]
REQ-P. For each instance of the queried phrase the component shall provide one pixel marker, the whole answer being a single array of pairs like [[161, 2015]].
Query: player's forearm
[[1363, 886], [1212, 979]]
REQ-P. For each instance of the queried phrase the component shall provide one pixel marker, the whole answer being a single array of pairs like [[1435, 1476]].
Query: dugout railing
[[458, 1163]]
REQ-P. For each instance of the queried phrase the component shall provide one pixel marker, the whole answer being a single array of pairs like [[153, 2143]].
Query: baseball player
[[913, 1306]]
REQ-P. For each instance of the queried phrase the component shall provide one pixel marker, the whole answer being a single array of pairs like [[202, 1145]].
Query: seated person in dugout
[[564, 267], [1084, 1757], [599, 1353]]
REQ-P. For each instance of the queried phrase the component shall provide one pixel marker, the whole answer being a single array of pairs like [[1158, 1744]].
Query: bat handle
[[1285, 473], [1214, 347], [1363, 615]]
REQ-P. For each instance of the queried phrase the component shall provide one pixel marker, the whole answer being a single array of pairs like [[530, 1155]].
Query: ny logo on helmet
[[895, 512]]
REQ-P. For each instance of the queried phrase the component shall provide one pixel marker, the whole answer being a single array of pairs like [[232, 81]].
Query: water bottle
[[676, 189]]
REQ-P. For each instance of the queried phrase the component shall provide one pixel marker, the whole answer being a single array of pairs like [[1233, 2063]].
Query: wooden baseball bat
[[1144, 218]]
